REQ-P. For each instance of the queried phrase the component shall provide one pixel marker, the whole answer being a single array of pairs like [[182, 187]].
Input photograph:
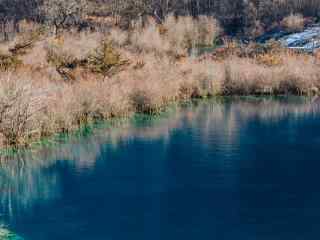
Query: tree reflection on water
[[26, 178]]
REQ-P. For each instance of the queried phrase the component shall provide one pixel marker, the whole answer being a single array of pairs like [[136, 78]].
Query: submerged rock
[[6, 234]]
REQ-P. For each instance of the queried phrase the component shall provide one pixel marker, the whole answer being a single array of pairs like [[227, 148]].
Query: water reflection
[[144, 167]]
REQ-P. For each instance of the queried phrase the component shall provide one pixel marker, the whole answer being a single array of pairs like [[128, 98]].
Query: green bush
[[106, 59]]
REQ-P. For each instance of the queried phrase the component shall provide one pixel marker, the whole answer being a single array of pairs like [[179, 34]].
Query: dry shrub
[[20, 109], [26, 26], [149, 39], [293, 23], [152, 86], [244, 76], [297, 75], [12, 55], [86, 101], [208, 29], [90, 52], [73, 46], [24, 42], [201, 79], [118, 37], [62, 61], [58, 57], [177, 35], [200, 31], [80, 45], [113, 100], [144, 102], [74, 106], [26, 49], [161, 80], [38, 56], [182, 34]]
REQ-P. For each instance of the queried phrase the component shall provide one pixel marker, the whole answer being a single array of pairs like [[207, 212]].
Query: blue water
[[232, 169]]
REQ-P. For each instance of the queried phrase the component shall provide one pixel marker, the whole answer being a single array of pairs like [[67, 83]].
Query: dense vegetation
[[245, 18], [66, 63]]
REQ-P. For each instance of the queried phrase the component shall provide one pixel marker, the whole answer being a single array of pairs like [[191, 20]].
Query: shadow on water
[[242, 168]]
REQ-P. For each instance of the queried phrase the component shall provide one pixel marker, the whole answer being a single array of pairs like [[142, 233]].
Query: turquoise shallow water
[[5, 234], [230, 169]]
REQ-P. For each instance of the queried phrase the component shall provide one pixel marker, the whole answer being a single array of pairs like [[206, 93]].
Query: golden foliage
[[270, 59]]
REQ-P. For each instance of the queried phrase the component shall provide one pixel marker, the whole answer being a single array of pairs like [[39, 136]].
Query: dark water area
[[233, 169]]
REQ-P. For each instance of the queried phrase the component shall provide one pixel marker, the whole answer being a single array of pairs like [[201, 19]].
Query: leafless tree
[[63, 13]]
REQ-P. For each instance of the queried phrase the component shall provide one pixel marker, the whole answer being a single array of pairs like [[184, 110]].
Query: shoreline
[[87, 129]]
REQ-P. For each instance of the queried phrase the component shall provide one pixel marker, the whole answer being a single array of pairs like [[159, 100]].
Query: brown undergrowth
[[58, 83]]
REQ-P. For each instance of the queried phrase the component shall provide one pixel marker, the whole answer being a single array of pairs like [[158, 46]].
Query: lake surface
[[233, 169]]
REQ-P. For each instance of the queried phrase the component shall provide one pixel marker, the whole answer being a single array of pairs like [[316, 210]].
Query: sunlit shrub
[[176, 36], [293, 23]]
